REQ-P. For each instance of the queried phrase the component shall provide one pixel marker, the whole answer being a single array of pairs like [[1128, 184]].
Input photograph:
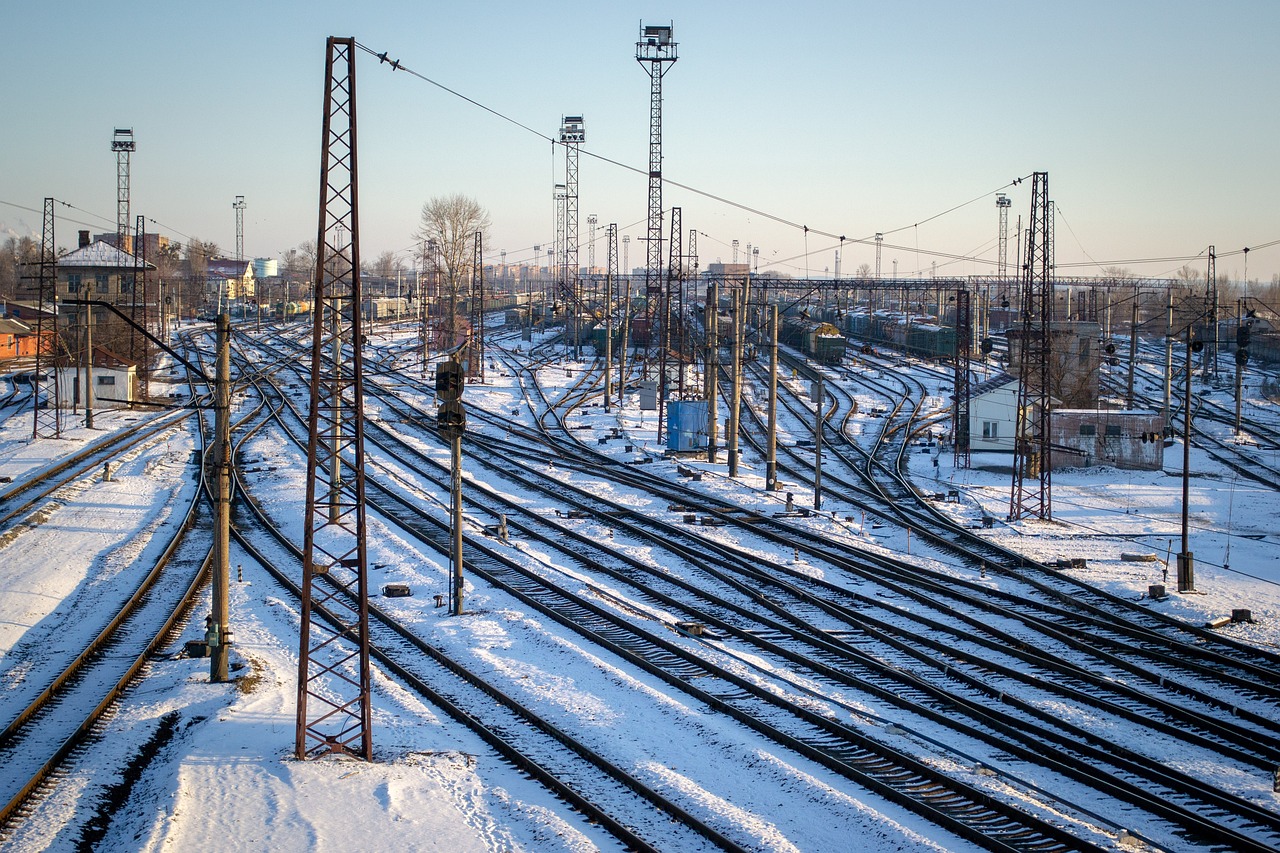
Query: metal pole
[[735, 401], [817, 447], [771, 461], [1240, 316], [455, 447], [88, 367], [218, 670], [608, 343], [712, 315], [1133, 350], [1186, 560], [1168, 364]]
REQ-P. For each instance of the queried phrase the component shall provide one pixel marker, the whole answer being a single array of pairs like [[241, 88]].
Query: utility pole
[[712, 315], [1133, 348], [610, 276], [817, 444], [1186, 560], [771, 454], [735, 401], [220, 630], [1168, 362], [88, 367]]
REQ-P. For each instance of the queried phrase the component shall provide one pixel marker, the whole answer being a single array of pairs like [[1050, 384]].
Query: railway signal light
[[451, 419], [1242, 357], [449, 380]]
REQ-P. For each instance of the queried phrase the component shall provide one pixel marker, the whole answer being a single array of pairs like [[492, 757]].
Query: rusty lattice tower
[[47, 417], [1031, 494], [333, 661], [139, 344], [655, 51]]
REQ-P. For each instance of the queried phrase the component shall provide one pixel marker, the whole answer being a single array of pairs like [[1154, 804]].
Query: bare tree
[[451, 223], [17, 258], [863, 271]]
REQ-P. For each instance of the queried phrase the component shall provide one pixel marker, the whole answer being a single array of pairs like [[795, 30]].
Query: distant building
[[152, 244], [96, 270], [229, 279], [1074, 361], [266, 268]]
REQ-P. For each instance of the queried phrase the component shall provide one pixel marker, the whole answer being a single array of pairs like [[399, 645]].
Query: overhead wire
[[396, 65]]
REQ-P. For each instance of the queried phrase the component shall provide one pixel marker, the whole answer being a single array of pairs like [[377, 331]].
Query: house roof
[[101, 255], [10, 326], [103, 357], [998, 381], [230, 268]]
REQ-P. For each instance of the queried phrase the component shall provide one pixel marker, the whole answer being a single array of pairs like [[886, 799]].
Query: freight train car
[[821, 341], [918, 335]]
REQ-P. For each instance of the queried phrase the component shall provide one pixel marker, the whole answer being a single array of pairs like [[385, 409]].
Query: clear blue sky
[[1155, 120]]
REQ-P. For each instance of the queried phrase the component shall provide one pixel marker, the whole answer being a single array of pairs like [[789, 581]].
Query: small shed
[[1129, 440], [992, 405], [115, 381]]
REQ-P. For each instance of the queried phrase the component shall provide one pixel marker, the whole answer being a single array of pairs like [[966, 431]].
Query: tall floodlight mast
[[1031, 446], [655, 51], [1003, 203], [573, 133], [333, 660], [238, 204], [122, 143]]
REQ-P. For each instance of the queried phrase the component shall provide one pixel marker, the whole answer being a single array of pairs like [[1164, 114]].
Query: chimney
[[84, 239]]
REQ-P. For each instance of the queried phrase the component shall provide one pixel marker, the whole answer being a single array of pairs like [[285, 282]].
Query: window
[[73, 283], [1085, 349], [1113, 430], [990, 429], [101, 279], [1088, 429], [106, 380]]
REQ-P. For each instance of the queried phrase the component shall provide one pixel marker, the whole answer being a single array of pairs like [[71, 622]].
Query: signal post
[[451, 422]]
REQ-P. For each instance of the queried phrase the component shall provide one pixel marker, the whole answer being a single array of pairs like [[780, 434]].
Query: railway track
[[1185, 817]]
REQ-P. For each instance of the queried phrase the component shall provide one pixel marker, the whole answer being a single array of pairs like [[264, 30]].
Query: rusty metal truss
[[333, 661]]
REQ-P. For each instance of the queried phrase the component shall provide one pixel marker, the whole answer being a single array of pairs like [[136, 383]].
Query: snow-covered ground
[[220, 773]]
